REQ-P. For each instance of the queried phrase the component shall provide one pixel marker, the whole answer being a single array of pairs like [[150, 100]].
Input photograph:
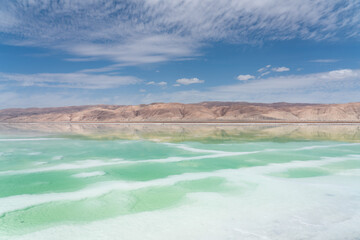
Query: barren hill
[[198, 112]]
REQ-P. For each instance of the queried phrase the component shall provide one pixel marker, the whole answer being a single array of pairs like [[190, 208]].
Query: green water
[[208, 182]]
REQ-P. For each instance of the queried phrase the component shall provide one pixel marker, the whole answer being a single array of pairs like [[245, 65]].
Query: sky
[[84, 52]]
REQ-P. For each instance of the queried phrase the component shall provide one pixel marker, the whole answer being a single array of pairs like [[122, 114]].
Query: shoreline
[[199, 123]]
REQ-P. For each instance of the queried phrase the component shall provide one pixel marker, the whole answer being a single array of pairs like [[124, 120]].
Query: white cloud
[[176, 85], [324, 60], [15, 99], [68, 80], [188, 81], [318, 87], [161, 84], [75, 97], [327, 87], [341, 74], [308, 81], [157, 48], [264, 73], [147, 31], [281, 69], [7, 20], [245, 77], [263, 69], [80, 59]]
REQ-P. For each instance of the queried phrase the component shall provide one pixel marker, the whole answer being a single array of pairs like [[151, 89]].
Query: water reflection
[[189, 132]]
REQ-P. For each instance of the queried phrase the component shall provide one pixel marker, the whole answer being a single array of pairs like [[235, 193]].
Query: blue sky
[[76, 52]]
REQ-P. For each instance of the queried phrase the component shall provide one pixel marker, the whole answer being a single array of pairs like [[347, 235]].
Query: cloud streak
[[281, 69], [324, 60], [68, 80], [153, 49], [326, 87], [161, 84], [151, 31], [332, 86], [245, 77], [188, 81]]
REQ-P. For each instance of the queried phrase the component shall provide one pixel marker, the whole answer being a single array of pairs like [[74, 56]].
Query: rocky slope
[[199, 112]]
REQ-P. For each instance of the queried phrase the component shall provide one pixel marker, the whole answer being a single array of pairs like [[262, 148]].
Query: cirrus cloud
[[188, 81], [68, 80], [281, 69], [326, 87], [245, 77], [133, 32], [324, 60]]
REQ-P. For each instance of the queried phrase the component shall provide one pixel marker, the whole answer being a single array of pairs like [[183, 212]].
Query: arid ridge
[[212, 112]]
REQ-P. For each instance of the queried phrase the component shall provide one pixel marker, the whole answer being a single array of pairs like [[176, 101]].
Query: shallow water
[[73, 181]]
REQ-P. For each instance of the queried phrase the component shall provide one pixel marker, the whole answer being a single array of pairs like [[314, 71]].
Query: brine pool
[[108, 182]]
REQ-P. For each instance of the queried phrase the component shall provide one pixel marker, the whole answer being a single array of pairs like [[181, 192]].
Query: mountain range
[[196, 112]]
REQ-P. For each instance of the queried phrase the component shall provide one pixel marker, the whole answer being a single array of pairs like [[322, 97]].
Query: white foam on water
[[327, 146], [27, 139], [303, 164], [125, 141], [274, 209], [349, 172], [191, 149], [98, 163], [56, 158], [64, 166], [248, 234], [18, 202], [39, 163], [237, 176], [89, 174], [34, 153], [180, 159], [269, 208]]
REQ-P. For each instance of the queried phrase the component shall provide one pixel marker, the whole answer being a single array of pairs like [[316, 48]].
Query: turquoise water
[[179, 182]]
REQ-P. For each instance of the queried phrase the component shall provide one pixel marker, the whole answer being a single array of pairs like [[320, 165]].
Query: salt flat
[[179, 181]]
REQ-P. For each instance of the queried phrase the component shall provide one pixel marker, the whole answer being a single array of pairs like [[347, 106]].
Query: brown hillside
[[199, 112]]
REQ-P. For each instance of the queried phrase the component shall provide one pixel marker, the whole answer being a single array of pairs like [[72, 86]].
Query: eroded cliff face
[[199, 112]]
